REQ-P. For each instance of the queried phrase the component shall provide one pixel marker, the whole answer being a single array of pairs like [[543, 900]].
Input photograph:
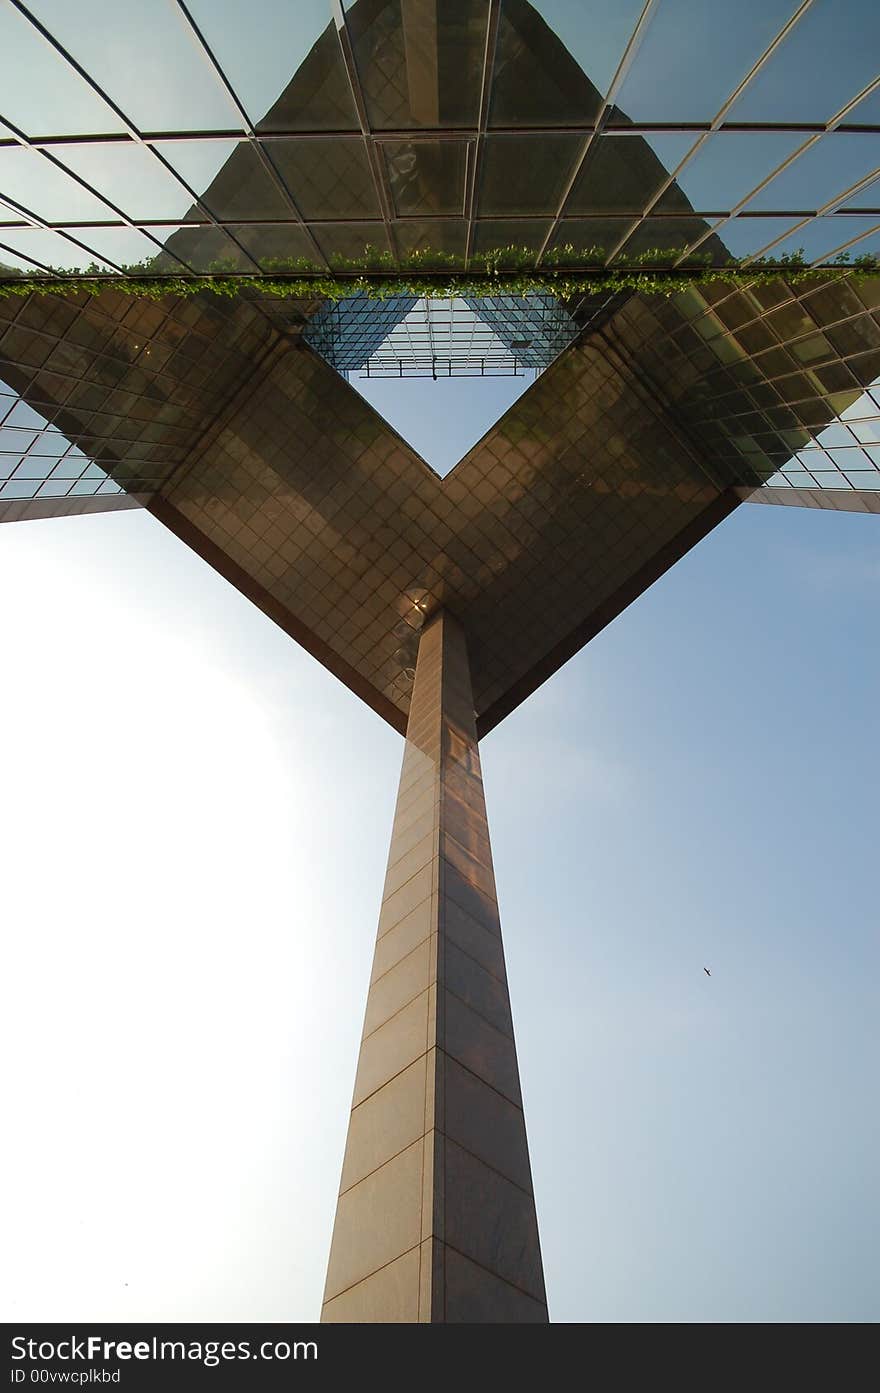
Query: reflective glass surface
[[261, 45], [36, 461], [703, 51], [403, 336], [826, 60], [822, 174], [476, 127], [144, 59], [42, 94]]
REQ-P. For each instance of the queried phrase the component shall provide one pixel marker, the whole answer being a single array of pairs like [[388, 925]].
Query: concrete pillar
[[436, 1217]]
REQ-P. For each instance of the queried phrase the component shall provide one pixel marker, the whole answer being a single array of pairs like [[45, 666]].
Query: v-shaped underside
[[262, 459], [255, 452]]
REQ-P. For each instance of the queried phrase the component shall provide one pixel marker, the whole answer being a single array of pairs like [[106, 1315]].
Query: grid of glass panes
[[443, 338], [846, 455], [616, 130], [402, 336], [36, 461], [347, 332]]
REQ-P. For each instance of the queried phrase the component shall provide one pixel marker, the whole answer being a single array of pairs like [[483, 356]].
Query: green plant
[[565, 271]]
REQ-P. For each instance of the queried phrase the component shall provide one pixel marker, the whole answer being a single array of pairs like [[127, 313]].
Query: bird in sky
[[707, 972]]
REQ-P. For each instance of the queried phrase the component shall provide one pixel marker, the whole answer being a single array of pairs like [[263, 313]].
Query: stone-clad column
[[436, 1217]]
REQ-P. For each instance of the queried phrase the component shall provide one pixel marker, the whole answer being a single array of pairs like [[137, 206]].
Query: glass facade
[[403, 337], [36, 461], [184, 139]]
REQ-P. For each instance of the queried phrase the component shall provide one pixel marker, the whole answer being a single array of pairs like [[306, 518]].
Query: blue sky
[[195, 826]]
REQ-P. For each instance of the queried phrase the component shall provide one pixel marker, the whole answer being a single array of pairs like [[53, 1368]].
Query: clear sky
[[194, 826]]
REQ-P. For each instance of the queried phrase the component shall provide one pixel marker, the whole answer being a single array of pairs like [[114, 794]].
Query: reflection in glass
[[274, 244], [29, 246], [43, 189], [328, 178], [591, 239], [261, 45], [202, 248], [39, 462], [420, 65], [245, 190], [492, 235], [350, 240], [622, 173], [426, 177], [824, 237], [129, 176], [144, 60], [729, 165], [594, 32], [448, 238], [827, 59], [694, 55], [821, 173], [744, 236], [42, 95], [532, 183]]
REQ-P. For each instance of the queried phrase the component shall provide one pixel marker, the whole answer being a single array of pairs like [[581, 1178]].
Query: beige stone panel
[[376, 1221]]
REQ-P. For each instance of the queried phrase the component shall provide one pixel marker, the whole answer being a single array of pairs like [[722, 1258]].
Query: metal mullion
[[476, 148], [716, 124], [375, 156], [627, 57], [433, 134], [214, 63], [132, 130]]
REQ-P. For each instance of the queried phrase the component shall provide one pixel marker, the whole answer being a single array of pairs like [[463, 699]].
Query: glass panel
[[824, 236], [622, 173], [202, 248], [130, 177], [144, 59], [661, 235], [48, 249], [351, 241], [420, 65], [747, 236], [824, 62], [284, 61], [39, 186], [536, 81], [820, 174], [590, 241], [868, 197], [328, 178], [198, 162], [42, 94], [867, 113], [124, 246], [270, 246], [530, 179], [595, 33], [729, 165], [690, 60], [492, 235], [41, 471], [426, 176], [447, 238], [243, 189]]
